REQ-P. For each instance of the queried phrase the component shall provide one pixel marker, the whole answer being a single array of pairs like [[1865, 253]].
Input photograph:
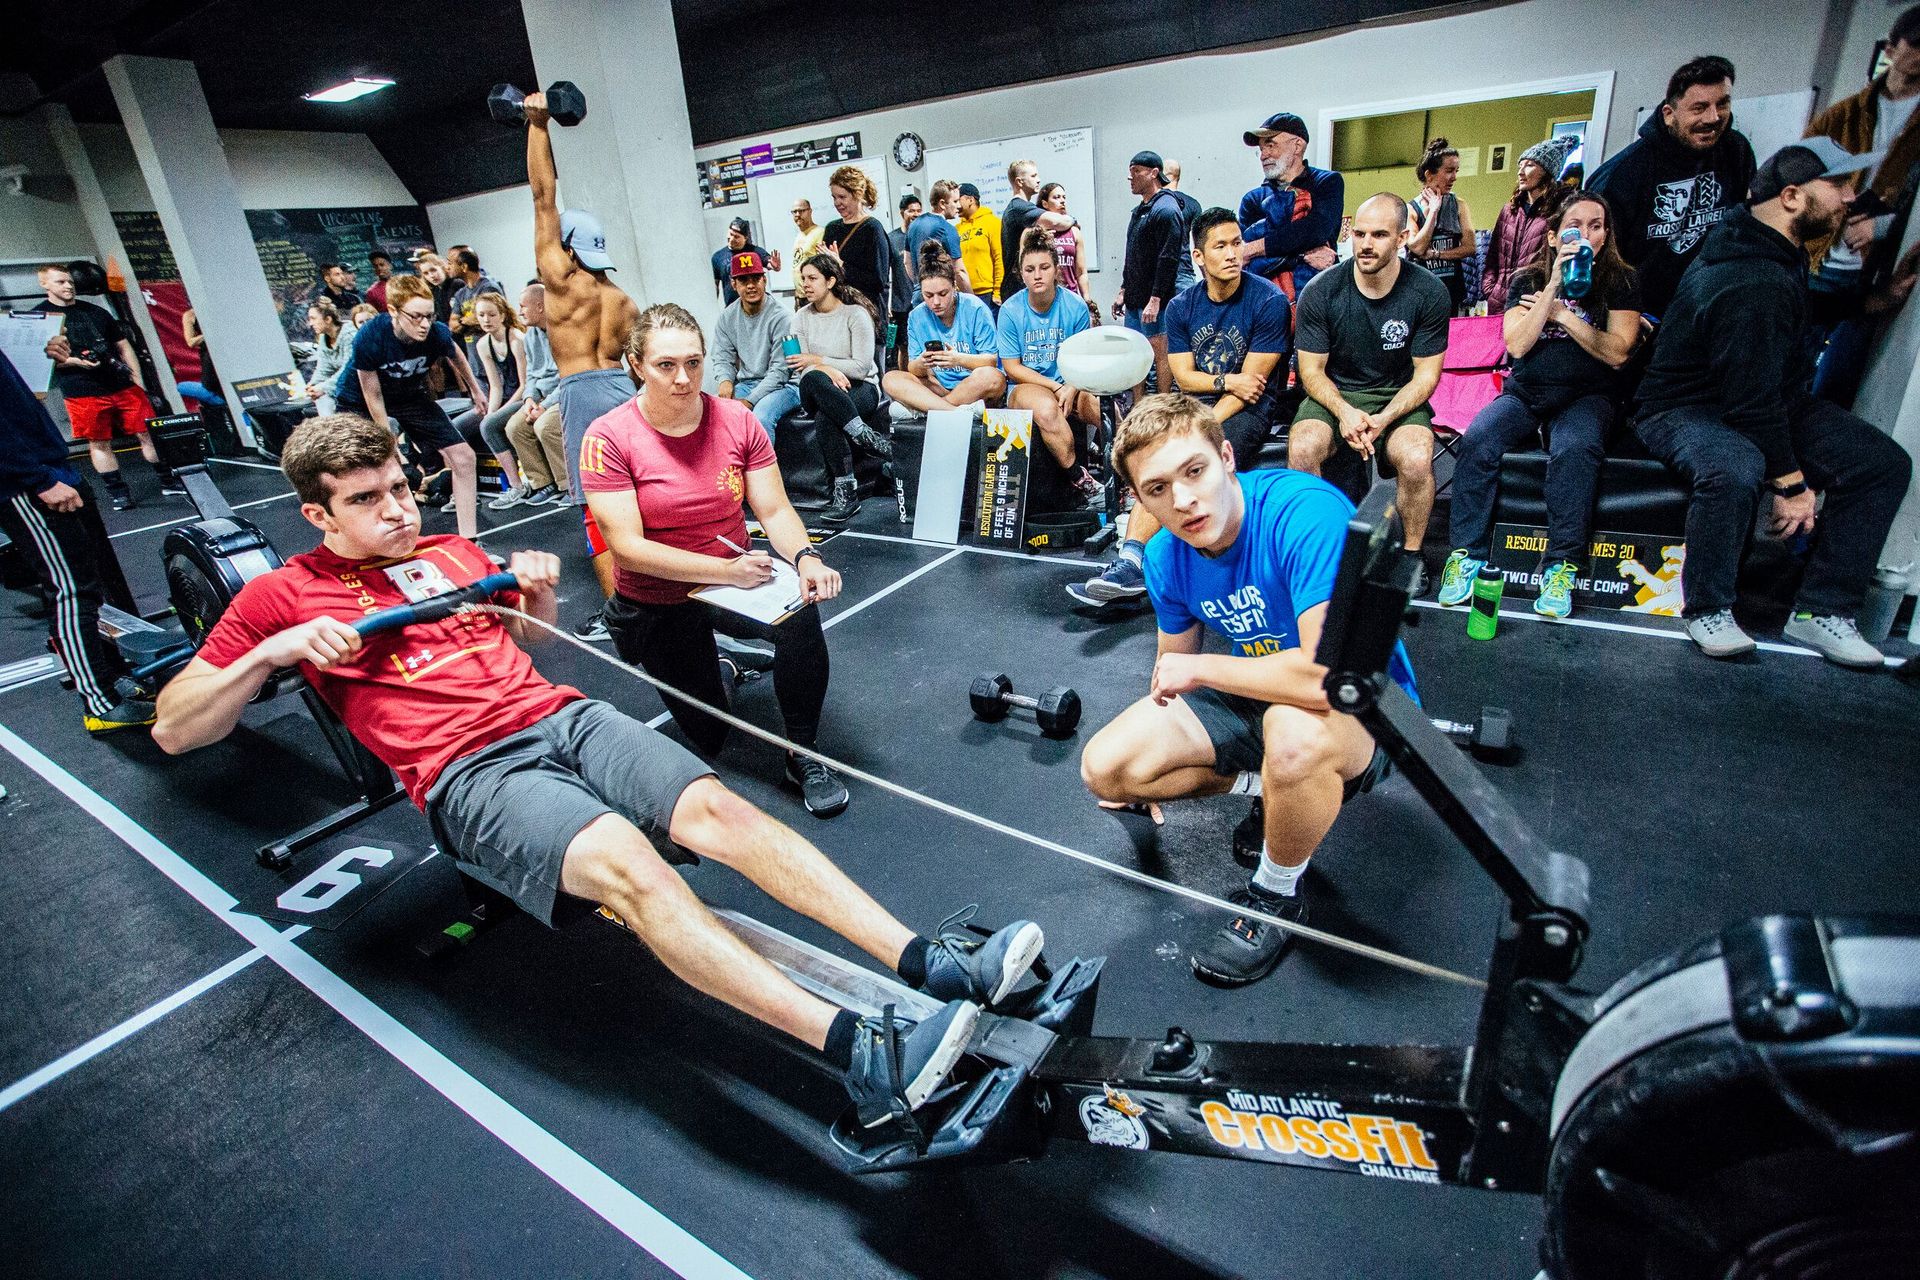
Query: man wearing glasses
[[807, 243], [386, 380]]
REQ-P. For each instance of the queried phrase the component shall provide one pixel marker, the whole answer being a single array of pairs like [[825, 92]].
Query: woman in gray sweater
[[838, 380]]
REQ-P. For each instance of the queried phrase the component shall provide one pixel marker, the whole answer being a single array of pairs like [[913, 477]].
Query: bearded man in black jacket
[[1727, 403]]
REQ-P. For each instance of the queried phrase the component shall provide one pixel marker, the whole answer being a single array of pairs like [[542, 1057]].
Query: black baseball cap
[[1278, 123], [1807, 160], [1149, 160], [968, 189], [741, 225]]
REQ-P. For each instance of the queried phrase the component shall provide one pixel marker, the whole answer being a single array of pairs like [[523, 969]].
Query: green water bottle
[[1484, 618]]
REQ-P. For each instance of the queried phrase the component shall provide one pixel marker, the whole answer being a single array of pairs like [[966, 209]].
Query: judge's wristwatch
[[804, 552]]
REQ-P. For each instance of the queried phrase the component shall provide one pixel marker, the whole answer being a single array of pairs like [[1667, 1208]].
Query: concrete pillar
[[106, 236], [167, 120], [630, 163]]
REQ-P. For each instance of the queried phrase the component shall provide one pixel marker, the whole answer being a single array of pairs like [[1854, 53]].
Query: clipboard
[[772, 602]]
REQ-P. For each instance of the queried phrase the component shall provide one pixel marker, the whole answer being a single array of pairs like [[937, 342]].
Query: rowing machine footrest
[[1065, 1004], [992, 1120]]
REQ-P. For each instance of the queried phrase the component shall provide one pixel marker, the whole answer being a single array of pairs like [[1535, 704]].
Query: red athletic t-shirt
[[689, 487], [419, 697]]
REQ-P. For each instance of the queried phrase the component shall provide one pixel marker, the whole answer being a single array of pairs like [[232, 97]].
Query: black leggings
[[674, 643], [837, 410]]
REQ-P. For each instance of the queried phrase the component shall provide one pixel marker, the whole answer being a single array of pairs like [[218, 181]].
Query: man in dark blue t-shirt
[[1228, 338], [385, 379], [1253, 558]]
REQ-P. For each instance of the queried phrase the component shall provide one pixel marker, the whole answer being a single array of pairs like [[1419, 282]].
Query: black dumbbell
[[1493, 734], [1057, 710], [565, 103]]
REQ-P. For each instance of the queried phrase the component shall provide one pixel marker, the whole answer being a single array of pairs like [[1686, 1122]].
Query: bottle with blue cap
[[1576, 273]]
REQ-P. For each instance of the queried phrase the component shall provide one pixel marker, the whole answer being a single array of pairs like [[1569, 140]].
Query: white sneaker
[[1718, 635], [511, 498], [1834, 638]]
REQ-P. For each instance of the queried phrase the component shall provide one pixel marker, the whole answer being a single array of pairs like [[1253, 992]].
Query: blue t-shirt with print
[[971, 334], [402, 366], [931, 226], [1034, 339], [1282, 564], [1220, 336]]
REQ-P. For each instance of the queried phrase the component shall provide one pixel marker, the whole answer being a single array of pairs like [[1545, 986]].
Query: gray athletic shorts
[[581, 398], [512, 808], [1237, 728]]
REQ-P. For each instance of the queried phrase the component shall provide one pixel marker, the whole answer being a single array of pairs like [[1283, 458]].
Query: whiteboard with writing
[[1064, 156], [24, 337]]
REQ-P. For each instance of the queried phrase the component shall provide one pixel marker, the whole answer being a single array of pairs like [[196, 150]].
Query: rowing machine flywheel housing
[[1748, 1108]]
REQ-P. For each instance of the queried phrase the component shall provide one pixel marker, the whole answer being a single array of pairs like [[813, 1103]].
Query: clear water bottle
[[1576, 277]]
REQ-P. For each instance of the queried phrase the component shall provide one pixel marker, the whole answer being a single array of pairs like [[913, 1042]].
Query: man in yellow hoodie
[[980, 246]]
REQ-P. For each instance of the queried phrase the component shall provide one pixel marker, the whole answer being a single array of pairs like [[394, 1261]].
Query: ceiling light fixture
[[358, 87]]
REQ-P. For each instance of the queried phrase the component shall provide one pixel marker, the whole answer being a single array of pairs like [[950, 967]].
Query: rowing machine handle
[[439, 607]]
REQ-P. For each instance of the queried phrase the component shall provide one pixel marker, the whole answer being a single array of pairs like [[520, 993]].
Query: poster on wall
[[293, 243], [1631, 572], [723, 179], [150, 261]]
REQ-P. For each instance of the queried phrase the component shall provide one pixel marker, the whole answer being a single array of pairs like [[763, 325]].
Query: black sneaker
[[594, 629], [846, 502], [963, 966], [1250, 837], [1245, 950], [127, 714], [1417, 587], [870, 440], [121, 499], [171, 488], [898, 1064], [820, 787]]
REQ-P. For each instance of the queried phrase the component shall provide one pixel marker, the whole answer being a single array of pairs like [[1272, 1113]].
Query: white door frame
[[1600, 82]]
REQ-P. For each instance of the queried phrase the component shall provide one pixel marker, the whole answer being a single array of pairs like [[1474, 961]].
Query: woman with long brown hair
[[1566, 349], [838, 373]]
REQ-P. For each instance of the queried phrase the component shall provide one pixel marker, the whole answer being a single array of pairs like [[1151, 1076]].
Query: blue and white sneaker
[[1120, 581], [1456, 580], [1556, 590], [983, 970]]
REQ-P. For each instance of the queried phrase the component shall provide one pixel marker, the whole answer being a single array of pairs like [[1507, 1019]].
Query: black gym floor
[[190, 1091]]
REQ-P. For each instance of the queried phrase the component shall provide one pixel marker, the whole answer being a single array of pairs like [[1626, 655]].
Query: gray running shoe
[[962, 966], [1718, 635], [1834, 638]]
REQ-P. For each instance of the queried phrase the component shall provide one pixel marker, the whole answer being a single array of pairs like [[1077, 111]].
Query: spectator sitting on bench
[[1567, 353], [1372, 334], [836, 373], [747, 364], [1727, 403], [1033, 324], [952, 345], [332, 347]]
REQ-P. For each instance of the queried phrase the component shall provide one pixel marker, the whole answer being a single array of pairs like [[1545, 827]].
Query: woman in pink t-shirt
[[665, 475]]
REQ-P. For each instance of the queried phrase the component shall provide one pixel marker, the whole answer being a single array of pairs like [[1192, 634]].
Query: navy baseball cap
[[1149, 160], [968, 189], [1276, 124]]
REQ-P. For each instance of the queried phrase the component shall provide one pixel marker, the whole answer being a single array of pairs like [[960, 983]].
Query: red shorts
[[595, 543], [94, 417]]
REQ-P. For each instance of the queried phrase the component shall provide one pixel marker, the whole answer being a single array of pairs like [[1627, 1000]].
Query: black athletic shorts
[[512, 808], [1237, 728], [424, 423]]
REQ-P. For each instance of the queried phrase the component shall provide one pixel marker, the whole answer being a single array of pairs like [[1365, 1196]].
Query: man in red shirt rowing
[[546, 790]]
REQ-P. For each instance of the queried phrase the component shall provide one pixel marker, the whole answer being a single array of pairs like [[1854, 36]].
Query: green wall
[[1516, 123]]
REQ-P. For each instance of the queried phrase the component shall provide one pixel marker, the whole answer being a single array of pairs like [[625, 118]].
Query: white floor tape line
[[646, 1226]]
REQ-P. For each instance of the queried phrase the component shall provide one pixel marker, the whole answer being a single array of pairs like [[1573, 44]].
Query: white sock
[[1271, 877], [1245, 784]]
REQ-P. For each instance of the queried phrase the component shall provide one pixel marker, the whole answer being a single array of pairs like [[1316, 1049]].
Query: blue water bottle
[[1576, 277]]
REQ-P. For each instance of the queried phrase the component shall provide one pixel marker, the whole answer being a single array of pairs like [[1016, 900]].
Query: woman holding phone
[[952, 344]]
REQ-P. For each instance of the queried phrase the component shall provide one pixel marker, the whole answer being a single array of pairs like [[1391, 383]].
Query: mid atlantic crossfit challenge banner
[[1629, 572], [1005, 450]]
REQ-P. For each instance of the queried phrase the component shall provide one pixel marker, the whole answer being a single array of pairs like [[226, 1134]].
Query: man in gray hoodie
[[748, 364]]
